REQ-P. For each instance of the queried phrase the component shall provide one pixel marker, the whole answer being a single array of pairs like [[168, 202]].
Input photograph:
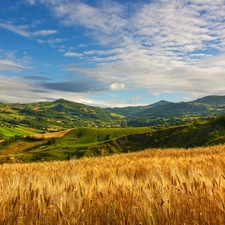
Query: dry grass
[[19, 147], [151, 187], [52, 134]]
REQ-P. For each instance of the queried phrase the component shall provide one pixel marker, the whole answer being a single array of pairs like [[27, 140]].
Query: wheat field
[[173, 186]]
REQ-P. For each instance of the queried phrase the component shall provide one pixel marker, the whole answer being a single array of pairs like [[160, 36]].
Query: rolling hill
[[40, 117], [92, 142], [209, 105]]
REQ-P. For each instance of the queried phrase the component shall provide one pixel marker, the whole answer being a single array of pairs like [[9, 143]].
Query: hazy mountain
[[62, 114], [211, 100], [208, 105]]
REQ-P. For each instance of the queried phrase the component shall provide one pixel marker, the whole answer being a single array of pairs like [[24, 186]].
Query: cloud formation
[[162, 46], [72, 54], [10, 66], [23, 87], [116, 86], [71, 86], [23, 30]]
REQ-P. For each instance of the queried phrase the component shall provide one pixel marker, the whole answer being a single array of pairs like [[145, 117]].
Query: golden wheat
[[173, 186]]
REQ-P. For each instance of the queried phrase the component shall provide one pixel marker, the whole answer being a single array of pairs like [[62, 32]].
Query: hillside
[[42, 117], [209, 105], [92, 142], [139, 110], [213, 100]]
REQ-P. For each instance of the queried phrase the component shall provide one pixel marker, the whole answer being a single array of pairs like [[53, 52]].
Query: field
[[173, 186], [55, 146]]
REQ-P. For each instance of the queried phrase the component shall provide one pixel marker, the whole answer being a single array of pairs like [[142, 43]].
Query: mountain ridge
[[207, 104], [64, 114]]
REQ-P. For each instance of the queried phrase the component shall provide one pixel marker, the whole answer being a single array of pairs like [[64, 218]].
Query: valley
[[61, 130]]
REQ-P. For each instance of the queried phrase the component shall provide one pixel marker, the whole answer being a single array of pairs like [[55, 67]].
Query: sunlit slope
[[9, 132], [90, 135], [92, 142], [47, 116], [53, 147], [152, 187]]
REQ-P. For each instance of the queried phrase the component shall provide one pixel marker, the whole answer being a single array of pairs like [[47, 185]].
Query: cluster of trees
[[164, 121], [9, 141], [219, 119], [1, 136]]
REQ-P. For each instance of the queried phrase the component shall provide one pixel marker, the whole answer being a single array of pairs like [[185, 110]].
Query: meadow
[[170, 186]]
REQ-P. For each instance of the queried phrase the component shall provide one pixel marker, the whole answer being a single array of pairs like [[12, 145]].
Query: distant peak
[[60, 100]]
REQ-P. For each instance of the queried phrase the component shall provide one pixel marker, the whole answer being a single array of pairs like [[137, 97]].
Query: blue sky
[[111, 53]]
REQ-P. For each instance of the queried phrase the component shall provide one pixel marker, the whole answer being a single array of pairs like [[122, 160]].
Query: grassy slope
[[70, 144], [89, 135], [19, 130], [178, 136], [92, 142], [60, 114]]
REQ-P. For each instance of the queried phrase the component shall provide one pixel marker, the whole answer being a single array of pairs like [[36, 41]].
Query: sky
[[111, 53]]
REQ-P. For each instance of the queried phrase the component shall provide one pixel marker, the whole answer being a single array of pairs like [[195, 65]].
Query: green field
[[92, 142], [84, 136], [76, 142], [19, 130]]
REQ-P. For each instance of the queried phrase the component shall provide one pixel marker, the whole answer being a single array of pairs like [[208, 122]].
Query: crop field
[[170, 186]]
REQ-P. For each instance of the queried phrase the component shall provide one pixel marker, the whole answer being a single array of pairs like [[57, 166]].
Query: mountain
[[209, 105], [50, 116], [138, 110], [212, 100], [37, 117], [77, 109]]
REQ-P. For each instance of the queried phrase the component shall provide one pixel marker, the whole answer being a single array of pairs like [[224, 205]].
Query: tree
[[1, 136], [214, 135]]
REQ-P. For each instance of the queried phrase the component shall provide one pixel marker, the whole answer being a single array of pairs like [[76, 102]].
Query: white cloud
[[61, 50], [72, 54], [116, 86], [43, 32], [10, 66], [82, 45], [31, 2], [51, 41], [23, 30], [103, 19], [213, 61], [163, 46]]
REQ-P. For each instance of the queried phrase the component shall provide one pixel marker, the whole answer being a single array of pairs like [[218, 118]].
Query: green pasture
[[91, 142], [86, 136], [19, 130]]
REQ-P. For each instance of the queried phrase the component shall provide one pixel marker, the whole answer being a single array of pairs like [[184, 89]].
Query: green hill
[[90, 142], [209, 105], [40, 117], [90, 135], [50, 116], [203, 134], [212, 100]]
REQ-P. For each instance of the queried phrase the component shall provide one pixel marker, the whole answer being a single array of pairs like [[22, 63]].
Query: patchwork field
[[171, 186]]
